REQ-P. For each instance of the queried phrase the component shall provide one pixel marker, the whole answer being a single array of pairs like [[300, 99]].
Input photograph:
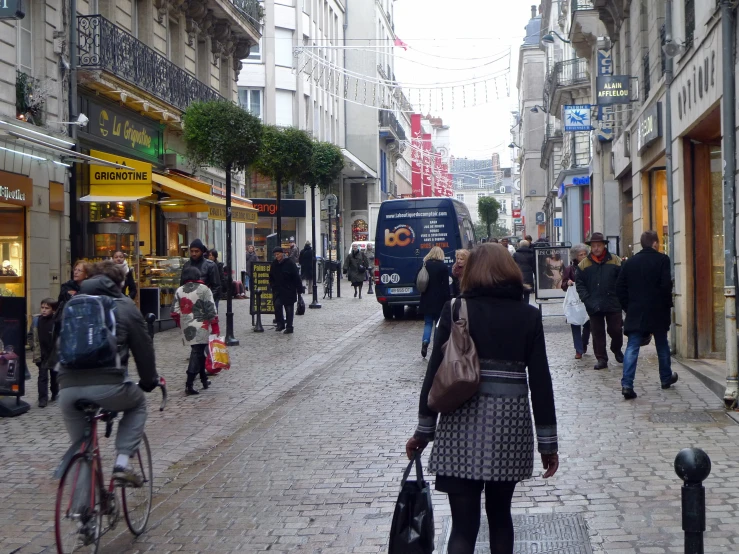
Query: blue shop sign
[[577, 117]]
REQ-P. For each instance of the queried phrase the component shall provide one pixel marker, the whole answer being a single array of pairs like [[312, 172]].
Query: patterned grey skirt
[[490, 437]]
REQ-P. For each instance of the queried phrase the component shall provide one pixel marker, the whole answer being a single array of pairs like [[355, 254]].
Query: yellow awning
[[117, 193]]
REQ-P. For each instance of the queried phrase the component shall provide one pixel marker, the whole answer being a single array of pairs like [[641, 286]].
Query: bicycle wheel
[[79, 516], [137, 500]]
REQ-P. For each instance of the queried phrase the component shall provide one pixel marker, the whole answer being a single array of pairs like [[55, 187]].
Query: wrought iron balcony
[[565, 77], [551, 134], [389, 121], [106, 47], [662, 41], [582, 5], [647, 75]]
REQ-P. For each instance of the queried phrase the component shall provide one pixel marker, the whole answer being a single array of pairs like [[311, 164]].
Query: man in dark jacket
[[644, 289], [286, 284], [596, 286], [110, 387], [524, 258], [208, 270]]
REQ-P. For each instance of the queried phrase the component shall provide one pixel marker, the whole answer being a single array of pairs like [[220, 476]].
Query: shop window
[[255, 53], [12, 232], [112, 227], [360, 230]]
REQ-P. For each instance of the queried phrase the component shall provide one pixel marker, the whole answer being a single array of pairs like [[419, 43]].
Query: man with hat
[[286, 285], [596, 285], [209, 273]]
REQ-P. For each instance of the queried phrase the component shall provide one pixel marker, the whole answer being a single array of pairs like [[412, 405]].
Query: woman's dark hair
[[490, 265], [214, 253], [191, 274]]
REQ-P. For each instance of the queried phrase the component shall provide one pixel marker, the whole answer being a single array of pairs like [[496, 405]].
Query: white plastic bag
[[575, 312]]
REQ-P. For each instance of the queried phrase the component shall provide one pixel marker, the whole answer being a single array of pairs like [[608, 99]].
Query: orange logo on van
[[402, 235]]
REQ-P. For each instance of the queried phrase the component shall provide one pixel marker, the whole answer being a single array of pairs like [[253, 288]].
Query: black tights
[[466, 519]]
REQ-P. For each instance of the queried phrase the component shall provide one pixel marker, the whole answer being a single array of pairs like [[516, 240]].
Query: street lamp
[[549, 38], [514, 145], [536, 109]]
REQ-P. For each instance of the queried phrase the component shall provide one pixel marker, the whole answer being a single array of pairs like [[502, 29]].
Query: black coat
[[129, 285], [596, 284], [64, 296], [437, 293], [209, 275], [306, 263], [355, 267], [285, 280], [524, 257], [644, 289]]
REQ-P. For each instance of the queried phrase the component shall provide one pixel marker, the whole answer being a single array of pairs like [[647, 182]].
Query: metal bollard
[[258, 299], [693, 465], [150, 319]]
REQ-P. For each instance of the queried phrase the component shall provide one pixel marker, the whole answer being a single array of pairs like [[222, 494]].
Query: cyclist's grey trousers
[[126, 398]]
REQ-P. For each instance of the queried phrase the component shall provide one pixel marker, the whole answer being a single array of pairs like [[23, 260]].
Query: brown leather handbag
[[458, 377]]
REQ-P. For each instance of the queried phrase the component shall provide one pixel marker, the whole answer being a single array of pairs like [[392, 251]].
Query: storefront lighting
[[24, 154], [61, 163], [32, 132]]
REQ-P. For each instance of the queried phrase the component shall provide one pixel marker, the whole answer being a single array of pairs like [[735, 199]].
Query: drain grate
[[682, 417], [540, 533]]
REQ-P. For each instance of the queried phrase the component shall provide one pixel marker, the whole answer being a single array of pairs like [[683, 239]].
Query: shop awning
[[117, 193]]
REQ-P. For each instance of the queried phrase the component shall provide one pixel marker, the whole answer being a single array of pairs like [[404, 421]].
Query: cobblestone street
[[300, 447]]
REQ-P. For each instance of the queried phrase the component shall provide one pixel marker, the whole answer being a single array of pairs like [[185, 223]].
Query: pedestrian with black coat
[[596, 286], [306, 263], [524, 258], [251, 257], [488, 442], [286, 285], [43, 352], [644, 288], [437, 294], [209, 272], [580, 333], [355, 268]]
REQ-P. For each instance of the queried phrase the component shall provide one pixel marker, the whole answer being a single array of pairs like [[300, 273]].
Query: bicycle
[[328, 283], [82, 499]]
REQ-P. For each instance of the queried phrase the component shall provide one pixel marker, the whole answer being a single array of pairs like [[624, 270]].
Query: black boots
[[360, 291], [629, 394], [189, 390], [355, 292], [424, 349], [665, 386]]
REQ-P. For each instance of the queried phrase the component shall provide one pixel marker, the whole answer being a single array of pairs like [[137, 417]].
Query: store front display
[[656, 188], [16, 194], [360, 230]]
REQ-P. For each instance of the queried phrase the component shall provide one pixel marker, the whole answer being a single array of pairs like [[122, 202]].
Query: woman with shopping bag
[[194, 311], [487, 441], [580, 330]]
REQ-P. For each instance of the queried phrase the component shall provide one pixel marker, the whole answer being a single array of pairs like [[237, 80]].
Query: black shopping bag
[[301, 306], [412, 530]]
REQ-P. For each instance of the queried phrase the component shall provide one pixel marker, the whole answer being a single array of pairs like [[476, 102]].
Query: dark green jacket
[[596, 284]]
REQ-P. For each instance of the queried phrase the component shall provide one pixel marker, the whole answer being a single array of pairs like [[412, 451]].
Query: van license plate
[[401, 290]]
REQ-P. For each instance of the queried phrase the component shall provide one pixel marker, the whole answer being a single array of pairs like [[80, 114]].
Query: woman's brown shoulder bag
[[458, 377]]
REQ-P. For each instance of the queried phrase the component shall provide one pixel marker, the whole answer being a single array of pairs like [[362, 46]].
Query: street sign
[[558, 222], [11, 9], [259, 280], [577, 117]]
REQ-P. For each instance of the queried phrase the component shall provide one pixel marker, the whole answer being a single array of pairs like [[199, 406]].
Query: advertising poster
[[12, 346], [550, 266], [259, 280]]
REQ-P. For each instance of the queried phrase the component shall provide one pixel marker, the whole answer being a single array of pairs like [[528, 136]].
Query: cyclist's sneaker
[[126, 476]]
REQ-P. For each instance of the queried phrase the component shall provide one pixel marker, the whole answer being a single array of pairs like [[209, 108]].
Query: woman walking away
[[524, 258], [306, 264], [194, 311], [129, 285], [488, 442], [457, 270], [580, 334], [436, 294], [355, 267]]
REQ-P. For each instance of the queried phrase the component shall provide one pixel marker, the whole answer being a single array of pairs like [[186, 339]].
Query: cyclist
[[109, 387]]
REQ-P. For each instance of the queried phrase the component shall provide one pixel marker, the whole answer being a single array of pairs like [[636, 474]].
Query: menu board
[[12, 346], [259, 281]]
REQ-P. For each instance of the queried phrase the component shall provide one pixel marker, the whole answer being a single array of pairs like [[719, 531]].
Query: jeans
[[246, 281], [43, 382], [428, 325], [288, 315], [126, 397], [580, 336], [615, 323], [632, 353], [197, 364], [216, 303]]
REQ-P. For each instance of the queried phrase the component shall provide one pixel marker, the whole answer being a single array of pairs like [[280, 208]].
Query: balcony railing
[[571, 72], [662, 41], [388, 119], [104, 46], [551, 133], [581, 5]]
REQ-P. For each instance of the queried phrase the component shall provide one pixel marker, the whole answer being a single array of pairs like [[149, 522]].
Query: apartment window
[[480, 195], [255, 53], [25, 44], [251, 100], [283, 47], [481, 182], [460, 197], [689, 22]]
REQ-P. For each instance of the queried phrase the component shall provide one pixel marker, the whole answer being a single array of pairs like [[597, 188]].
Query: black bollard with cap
[[693, 465], [258, 299], [150, 319]]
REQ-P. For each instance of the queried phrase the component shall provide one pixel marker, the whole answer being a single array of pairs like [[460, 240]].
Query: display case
[[158, 281], [12, 278]]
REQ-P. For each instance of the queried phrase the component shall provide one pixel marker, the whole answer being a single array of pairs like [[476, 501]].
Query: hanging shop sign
[[699, 84], [259, 281], [577, 117], [15, 189], [238, 214], [606, 114], [649, 128], [613, 89], [267, 207], [117, 126], [540, 218], [516, 212], [138, 174], [11, 9]]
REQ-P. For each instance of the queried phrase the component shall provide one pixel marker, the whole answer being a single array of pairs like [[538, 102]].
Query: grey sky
[[464, 29]]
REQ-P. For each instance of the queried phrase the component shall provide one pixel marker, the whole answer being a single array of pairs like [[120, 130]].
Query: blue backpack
[[87, 338]]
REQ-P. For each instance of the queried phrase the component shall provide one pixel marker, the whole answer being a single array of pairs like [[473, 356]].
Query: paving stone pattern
[[299, 448]]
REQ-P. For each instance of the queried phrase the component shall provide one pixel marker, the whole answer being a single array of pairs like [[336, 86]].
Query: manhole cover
[[540, 533], [682, 417]]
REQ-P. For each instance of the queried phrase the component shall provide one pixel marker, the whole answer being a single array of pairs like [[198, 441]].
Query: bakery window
[[12, 259]]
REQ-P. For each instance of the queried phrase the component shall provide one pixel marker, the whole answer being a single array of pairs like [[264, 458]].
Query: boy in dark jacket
[[43, 348]]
